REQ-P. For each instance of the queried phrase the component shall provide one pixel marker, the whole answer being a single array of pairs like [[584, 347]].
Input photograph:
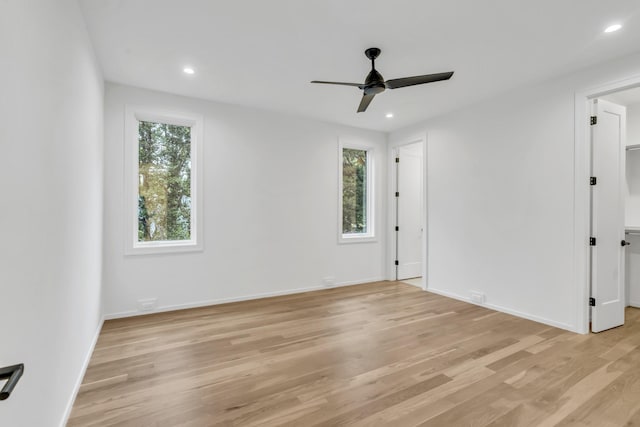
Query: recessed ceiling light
[[389, 115], [188, 70], [612, 28]]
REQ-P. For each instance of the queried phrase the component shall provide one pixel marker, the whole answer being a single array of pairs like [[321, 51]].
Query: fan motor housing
[[374, 83], [374, 89]]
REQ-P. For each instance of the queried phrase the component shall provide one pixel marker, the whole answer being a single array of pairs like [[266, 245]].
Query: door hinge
[[592, 241], [397, 228], [397, 194], [594, 120], [397, 159], [397, 263], [593, 180], [592, 302]]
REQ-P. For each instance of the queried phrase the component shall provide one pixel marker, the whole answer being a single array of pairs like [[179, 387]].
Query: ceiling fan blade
[[417, 80], [364, 103], [358, 85]]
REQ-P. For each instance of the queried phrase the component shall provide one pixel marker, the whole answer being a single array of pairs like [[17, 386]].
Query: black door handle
[[12, 374], [625, 243]]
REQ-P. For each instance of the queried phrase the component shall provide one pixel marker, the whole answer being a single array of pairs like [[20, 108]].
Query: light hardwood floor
[[370, 355], [416, 281]]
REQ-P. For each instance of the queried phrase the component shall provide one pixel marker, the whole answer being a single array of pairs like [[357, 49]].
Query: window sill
[[342, 239], [153, 248]]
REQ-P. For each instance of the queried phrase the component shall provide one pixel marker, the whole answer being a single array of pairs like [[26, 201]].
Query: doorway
[[409, 196], [630, 100], [608, 206]]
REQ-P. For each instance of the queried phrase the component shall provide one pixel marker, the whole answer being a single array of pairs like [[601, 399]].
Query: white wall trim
[[425, 207], [391, 206], [581, 202], [206, 303], [133, 115], [372, 234], [83, 371], [506, 310]]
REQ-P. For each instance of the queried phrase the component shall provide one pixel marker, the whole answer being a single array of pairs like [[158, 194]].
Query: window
[[356, 195], [163, 182]]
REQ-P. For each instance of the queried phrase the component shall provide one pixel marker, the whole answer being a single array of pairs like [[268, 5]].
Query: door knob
[[625, 243]]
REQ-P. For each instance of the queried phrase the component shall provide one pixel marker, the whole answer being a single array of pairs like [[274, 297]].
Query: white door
[[607, 215], [409, 210]]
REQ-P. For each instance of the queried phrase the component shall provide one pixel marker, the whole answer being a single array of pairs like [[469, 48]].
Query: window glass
[[354, 191], [164, 182]]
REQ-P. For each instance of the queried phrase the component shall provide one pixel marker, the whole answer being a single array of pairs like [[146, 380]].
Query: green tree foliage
[[354, 191], [164, 188]]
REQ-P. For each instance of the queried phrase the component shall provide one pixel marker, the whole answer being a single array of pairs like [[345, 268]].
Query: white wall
[[51, 206], [632, 273], [501, 193], [270, 209], [633, 124], [633, 167], [633, 206]]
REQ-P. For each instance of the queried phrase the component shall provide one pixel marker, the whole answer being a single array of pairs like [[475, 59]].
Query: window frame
[[133, 116], [370, 235]]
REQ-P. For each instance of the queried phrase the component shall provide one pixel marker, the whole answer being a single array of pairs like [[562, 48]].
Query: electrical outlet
[[329, 281], [477, 297], [148, 304]]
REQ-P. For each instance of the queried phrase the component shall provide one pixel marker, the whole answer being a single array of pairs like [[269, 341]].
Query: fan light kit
[[375, 83]]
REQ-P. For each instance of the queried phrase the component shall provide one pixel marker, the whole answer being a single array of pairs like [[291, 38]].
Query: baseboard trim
[[83, 371], [197, 304], [635, 304], [506, 310]]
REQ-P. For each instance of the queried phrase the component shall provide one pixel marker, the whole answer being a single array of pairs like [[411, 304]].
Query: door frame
[[582, 191], [393, 147]]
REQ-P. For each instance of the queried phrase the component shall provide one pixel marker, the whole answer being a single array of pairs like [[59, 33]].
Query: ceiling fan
[[375, 83]]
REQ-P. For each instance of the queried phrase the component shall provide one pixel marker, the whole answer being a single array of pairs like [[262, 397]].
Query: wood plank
[[384, 353]]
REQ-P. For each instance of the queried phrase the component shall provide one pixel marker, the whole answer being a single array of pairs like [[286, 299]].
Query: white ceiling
[[264, 53]]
